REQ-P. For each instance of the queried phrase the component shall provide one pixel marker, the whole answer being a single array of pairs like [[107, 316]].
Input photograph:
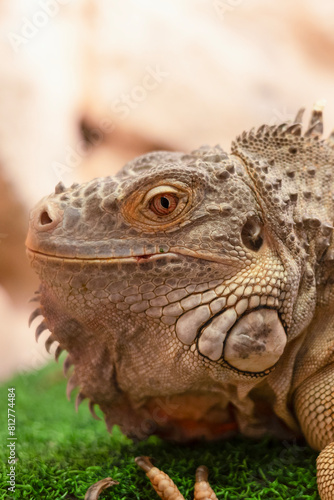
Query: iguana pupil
[[164, 202]]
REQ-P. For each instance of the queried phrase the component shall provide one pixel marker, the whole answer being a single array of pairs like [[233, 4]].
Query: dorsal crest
[[292, 173]]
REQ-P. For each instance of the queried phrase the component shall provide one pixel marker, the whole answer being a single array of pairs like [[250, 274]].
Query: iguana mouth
[[172, 252], [133, 258]]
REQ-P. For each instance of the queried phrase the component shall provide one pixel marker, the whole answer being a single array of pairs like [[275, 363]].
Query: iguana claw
[[94, 491], [165, 487]]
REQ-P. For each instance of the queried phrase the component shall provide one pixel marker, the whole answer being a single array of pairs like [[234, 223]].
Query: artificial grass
[[61, 453]]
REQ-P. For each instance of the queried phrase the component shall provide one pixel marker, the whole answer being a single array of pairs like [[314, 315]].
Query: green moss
[[61, 453]]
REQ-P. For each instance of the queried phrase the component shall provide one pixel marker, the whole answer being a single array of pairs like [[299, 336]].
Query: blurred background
[[86, 85]]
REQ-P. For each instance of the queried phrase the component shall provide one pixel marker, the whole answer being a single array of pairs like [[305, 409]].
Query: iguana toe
[[165, 487], [94, 491]]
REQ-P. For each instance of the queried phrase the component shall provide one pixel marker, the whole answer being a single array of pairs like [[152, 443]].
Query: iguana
[[194, 292]]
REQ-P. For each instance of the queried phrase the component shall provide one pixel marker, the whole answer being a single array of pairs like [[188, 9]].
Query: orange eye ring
[[164, 203], [160, 207]]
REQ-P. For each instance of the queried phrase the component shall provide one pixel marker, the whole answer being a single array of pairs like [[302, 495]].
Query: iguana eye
[[160, 206], [164, 204]]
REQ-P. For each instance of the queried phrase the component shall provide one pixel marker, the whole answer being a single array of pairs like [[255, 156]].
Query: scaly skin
[[194, 292]]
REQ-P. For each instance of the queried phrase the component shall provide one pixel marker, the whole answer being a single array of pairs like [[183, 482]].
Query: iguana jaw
[[172, 252]]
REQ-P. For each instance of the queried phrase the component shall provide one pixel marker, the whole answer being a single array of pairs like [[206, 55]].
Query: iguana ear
[[291, 173]]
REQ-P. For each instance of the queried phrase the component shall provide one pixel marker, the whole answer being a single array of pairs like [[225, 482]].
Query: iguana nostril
[[45, 218]]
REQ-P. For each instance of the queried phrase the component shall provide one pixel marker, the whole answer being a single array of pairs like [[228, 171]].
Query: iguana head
[[177, 278]]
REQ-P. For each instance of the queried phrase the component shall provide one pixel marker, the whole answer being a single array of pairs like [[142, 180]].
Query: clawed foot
[[162, 483], [165, 487], [94, 491]]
